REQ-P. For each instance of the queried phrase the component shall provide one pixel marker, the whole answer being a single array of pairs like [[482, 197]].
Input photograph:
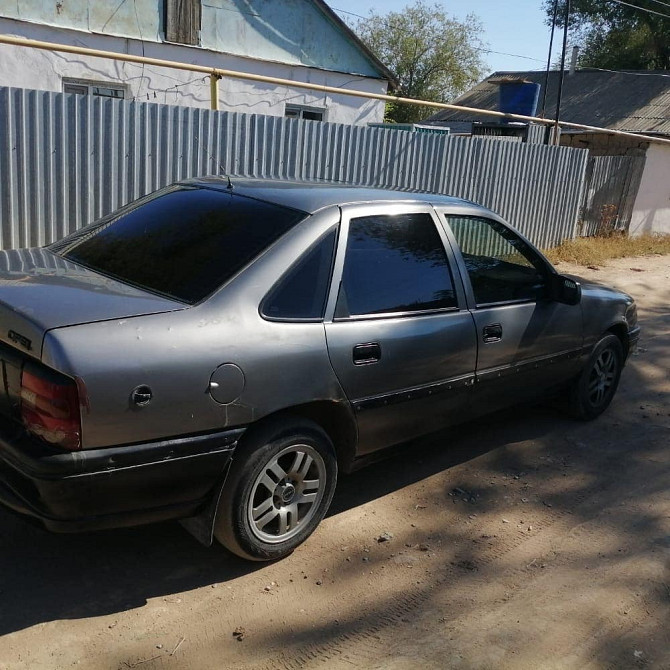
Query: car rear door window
[[301, 293], [184, 243], [394, 264]]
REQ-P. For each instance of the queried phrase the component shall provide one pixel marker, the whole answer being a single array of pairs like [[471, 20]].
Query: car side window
[[501, 266], [301, 293], [394, 264]]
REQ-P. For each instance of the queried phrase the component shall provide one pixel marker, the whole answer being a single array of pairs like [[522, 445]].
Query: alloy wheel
[[286, 493], [602, 377]]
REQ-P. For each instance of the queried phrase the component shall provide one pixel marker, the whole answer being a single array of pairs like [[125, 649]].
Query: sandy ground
[[524, 541]]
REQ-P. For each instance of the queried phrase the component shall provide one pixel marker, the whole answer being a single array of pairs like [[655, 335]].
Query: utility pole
[[551, 46], [557, 129]]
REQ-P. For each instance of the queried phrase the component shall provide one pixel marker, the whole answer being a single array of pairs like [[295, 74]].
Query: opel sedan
[[217, 351]]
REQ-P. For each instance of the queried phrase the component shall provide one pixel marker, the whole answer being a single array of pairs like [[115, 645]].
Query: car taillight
[[50, 407]]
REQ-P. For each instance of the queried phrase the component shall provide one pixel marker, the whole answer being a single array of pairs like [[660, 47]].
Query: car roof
[[313, 196]]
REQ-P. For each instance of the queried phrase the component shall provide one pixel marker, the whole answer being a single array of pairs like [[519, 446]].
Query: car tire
[[278, 490], [594, 389]]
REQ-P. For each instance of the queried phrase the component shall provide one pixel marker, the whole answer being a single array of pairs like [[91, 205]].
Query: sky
[[515, 27]]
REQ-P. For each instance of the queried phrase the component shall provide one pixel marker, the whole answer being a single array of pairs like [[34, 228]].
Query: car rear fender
[[335, 417]]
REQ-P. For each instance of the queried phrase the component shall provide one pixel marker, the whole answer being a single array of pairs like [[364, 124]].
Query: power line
[[185, 83], [488, 51], [166, 76], [642, 9], [586, 69], [344, 11], [632, 74], [171, 88], [665, 4], [502, 53]]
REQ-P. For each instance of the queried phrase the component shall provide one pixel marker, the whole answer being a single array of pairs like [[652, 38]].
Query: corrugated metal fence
[[612, 182], [66, 160]]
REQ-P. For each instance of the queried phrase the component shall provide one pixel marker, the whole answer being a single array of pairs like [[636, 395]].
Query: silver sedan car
[[217, 351]]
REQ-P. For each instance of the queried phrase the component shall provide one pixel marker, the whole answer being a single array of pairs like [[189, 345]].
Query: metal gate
[[611, 185]]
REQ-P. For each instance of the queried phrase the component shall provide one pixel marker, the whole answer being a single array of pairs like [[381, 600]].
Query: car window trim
[[349, 212], [394, 315], [502, 303]]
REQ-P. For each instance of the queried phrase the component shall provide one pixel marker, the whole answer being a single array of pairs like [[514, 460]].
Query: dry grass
[[597, 250]]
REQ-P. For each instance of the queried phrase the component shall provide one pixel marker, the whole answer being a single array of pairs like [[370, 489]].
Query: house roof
[[358, 42], [634, 101]]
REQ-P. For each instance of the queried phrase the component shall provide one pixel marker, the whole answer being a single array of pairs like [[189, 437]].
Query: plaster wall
[[651, 211], [295, 32], [24, 67]]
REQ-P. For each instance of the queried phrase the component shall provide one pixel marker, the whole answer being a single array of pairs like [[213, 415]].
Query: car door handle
[[364, 354], [492, 333]]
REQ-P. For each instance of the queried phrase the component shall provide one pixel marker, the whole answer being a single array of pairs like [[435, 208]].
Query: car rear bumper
[[112, 487]]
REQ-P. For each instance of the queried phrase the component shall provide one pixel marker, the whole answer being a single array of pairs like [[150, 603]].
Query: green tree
[[432, 55], [616, 36]]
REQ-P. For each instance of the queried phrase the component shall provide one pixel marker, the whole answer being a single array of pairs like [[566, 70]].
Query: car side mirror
[[565, 290]]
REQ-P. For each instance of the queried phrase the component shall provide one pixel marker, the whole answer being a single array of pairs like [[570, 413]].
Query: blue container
[[519, 97]]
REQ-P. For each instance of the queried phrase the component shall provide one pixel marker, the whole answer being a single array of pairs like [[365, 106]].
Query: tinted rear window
[[302, 292], [184, 243]]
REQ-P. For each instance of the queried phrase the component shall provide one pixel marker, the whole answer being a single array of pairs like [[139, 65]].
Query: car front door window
[[501, 266]]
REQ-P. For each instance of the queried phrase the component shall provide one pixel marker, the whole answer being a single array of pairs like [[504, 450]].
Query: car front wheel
[[279, 488], [593, 391]]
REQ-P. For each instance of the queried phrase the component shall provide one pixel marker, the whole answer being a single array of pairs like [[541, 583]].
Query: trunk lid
[[40, 291]]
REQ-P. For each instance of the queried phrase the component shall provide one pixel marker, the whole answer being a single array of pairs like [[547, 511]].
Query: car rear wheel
[[593, 391], [279, 488]]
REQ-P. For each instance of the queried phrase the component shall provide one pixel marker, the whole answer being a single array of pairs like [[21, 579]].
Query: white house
[[651, 212], [300, 40]]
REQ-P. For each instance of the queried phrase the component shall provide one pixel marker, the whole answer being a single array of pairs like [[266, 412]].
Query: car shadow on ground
[[595, 591], [46, 577]]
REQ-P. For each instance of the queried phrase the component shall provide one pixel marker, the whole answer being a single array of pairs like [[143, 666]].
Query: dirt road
[[524, 541]]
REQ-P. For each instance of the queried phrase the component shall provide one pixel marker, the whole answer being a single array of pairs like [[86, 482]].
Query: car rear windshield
[[184, 242]]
